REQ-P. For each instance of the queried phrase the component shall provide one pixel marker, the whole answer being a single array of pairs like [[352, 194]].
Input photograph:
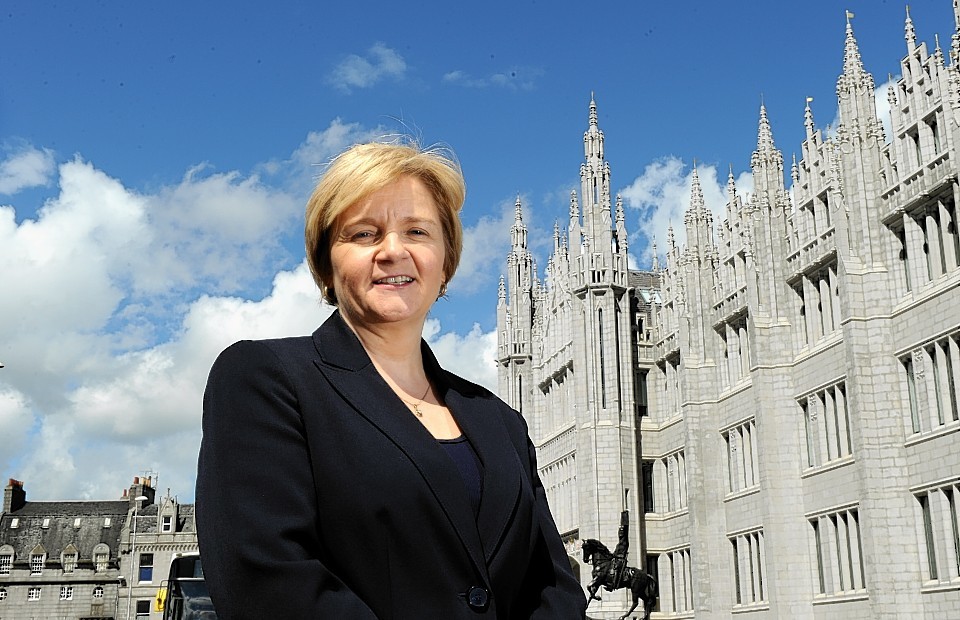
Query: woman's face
[[387, 256]]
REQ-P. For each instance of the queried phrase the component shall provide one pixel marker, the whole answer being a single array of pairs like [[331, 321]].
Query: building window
[[937, 522], [46, 523], [37, 561], [143, 610], [3, 594], [33, 594], [69, 562], [839, 551], [106, 522], [97, 591], [14, 523], [100, 562], [928, 539], [930, 374], [166, 523], [826, 422], [741, 453], [6, 562], [66, 593], [677, 591], [76, 523], [749, 574], [146, 567], [646, 473], [676, 468]]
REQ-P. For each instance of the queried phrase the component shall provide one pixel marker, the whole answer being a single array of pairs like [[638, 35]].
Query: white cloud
[[485, 248], [513, 78], [147, 407], [363, 72], [472, 356], [116, 302], [661, 194], [26, 167]]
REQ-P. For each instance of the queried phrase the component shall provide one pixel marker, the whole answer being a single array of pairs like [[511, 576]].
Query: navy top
[[462, 453]]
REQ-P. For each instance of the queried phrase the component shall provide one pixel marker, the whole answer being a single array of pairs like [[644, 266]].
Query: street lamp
[[133, 548]]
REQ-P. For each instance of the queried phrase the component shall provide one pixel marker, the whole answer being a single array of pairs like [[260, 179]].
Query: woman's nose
[[392, 246]]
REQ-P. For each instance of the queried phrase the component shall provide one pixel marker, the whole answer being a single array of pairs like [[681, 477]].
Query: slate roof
[[61, 530]]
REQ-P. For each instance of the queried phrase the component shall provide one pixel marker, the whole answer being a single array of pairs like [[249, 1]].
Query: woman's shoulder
[[249, 354]]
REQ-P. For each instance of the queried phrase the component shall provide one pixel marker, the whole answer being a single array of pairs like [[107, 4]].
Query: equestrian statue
[[610, 570]]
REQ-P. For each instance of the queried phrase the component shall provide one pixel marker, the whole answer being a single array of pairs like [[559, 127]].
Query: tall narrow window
[[6, 562], [928, 535], [736, 571], [937, 391], [904, 257], [951, 377], [602, 364], [818, 544], [646, 473], [912, 393], [952, 507]]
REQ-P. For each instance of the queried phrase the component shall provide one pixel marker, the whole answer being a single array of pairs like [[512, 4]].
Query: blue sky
[[155, 159]]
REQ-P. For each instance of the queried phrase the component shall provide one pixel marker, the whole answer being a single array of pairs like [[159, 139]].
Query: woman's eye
[[363, 234]]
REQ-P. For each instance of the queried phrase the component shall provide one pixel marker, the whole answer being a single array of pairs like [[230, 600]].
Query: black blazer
[[319, 495]]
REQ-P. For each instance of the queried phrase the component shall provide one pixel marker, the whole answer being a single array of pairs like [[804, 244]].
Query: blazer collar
[[350, 371]]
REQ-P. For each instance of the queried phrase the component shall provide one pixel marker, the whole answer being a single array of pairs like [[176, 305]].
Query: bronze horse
[[642, 585]]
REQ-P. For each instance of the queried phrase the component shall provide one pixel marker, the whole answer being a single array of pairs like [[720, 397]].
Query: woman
[[346, 475]]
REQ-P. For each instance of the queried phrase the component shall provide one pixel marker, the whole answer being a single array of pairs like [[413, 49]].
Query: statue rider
[[618, 561]]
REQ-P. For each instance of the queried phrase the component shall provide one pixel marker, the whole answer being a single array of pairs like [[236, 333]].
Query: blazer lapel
[[351, 373], [476, 413]]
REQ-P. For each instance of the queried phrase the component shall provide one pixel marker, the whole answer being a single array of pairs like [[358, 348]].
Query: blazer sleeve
[[560, 594], [256, 503]]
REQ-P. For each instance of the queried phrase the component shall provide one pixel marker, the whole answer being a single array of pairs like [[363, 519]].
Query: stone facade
[[85, 559], [777, 405]]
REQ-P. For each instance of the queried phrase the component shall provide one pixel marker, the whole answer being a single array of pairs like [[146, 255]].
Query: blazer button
[[478, 598]]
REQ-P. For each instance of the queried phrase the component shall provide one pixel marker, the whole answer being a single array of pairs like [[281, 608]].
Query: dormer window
[[76, 523], [166, 523], [69, 559], [14, 523], [106, 522], [37, 560], [46, 523]]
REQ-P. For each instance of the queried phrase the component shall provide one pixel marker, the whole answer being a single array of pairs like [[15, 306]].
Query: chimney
[[141, 487], [14, 497]]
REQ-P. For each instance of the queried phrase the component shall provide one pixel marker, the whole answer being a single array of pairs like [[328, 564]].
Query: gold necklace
[[416, 406]]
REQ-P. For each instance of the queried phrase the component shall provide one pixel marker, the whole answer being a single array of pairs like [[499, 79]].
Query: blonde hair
[[366, 168]]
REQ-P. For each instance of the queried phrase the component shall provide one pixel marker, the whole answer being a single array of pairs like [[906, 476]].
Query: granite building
[[778, 404], [89, 560]]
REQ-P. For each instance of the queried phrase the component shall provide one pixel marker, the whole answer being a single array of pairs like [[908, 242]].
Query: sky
[[155, 159]]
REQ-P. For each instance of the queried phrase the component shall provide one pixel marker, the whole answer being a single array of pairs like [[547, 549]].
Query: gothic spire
[[731, 186], [852, 64], [501, 292], [656, 259], [909, 33], [620, 216], [518, 232], [697, 208], [593, 111], [808, 118], [764, 134]]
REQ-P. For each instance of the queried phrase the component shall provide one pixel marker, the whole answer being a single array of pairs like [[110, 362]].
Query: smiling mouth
[[394, 280]]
